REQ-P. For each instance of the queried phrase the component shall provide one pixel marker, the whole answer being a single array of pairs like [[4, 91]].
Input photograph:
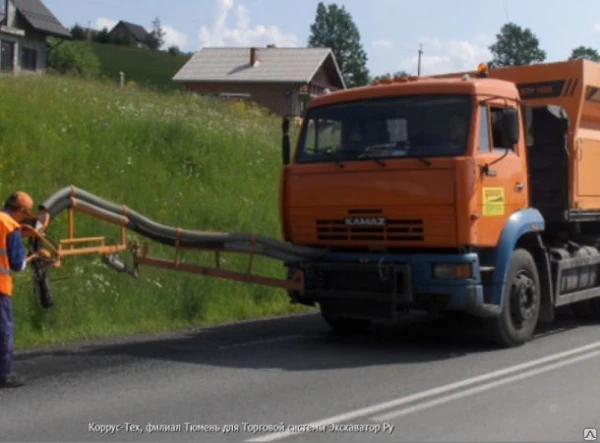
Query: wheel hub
[[523, 300]]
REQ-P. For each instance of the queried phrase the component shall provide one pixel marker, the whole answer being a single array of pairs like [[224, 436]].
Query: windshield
[[409, 126]]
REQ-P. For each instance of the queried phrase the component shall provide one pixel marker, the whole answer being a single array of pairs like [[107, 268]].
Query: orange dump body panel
[[574, 86]]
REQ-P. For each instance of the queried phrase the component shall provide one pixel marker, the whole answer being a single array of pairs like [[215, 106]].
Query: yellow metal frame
[[68, 247]]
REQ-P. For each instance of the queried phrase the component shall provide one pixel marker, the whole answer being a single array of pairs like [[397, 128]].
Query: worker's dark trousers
[[6, 337]]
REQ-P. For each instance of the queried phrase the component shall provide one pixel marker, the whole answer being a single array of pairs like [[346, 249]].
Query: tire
[[521, 306], [345, 325]]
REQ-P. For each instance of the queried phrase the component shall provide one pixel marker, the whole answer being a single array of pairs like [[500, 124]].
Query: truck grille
[[392, 230]]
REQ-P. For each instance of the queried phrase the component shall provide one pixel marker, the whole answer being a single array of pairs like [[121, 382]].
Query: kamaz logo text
[[365, 221]]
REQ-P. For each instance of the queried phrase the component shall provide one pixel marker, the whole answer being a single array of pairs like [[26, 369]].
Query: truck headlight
[[452, 271]]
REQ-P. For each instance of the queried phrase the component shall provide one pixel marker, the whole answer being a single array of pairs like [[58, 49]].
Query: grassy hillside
[[147, 68], [179, 160]]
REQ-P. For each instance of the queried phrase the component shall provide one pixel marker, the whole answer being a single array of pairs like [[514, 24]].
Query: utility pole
[[419, 65]]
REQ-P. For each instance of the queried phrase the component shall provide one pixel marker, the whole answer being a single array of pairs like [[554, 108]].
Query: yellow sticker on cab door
[[493, 202]]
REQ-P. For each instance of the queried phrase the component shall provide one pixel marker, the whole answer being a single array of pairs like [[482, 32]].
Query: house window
[[28, 59], [3, 10], [7, 52]]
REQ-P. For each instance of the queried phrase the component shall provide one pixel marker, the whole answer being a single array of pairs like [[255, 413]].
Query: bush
[[74, 58], [174, 51]]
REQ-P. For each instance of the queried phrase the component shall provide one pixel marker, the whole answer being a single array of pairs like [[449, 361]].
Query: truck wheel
[[521, 309], [345, 325]]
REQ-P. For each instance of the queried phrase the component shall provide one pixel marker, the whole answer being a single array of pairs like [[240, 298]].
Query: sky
[[454, 34]]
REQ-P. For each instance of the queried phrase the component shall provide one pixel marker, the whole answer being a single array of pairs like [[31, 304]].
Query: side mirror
[[510, 127], [285, 141]]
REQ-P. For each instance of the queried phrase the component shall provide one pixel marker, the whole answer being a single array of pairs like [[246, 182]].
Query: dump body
[[573, 86]]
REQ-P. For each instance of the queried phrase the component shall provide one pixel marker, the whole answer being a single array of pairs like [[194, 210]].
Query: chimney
[[254, 56]]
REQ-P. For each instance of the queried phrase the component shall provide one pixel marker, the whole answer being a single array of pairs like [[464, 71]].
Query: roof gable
[[41, 18], [138, 31], [292, 65]]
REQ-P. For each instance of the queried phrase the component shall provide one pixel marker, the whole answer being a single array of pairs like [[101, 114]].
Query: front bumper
[[384, 285]]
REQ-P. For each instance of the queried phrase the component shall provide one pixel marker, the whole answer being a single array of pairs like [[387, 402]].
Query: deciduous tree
[[585, 52], [390, 75], [334, 28], [516, 46], [77, 32]]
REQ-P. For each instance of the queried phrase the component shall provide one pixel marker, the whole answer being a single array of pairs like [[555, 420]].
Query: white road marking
[[482, 388], [376, 408]]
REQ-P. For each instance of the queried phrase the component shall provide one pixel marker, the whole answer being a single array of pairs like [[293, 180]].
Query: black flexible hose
[[167, 235]]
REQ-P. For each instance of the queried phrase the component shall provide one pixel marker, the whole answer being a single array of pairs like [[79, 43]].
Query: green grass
[[180, 160], [150, 69]]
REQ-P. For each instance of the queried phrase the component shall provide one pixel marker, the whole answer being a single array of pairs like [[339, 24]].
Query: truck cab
[[420, 163], [437, 193]]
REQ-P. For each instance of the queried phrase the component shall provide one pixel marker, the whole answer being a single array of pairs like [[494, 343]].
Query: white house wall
[[32, 40]]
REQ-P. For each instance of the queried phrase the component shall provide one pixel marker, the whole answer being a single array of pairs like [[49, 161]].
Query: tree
[[77, 32], [74, 58], [334, 28], [585, 53], [389, 75], [156, 38], [516, 46], [174, 50], [103, 36]]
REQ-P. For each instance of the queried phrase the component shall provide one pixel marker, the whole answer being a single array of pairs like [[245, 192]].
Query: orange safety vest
[[7, 226]]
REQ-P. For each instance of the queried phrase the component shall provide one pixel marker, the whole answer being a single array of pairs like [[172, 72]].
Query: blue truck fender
[[518, 224]]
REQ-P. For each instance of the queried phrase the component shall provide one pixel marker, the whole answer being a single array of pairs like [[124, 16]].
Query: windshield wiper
[[337, 162], [423, 160], [374, 158]]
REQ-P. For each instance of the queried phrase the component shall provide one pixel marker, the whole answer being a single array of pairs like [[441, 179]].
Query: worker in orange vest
[[17, 209]]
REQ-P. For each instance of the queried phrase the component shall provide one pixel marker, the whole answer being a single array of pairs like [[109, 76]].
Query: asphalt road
[[428, 379]]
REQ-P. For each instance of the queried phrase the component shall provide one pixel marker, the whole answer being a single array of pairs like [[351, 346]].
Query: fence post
[[122, 81]]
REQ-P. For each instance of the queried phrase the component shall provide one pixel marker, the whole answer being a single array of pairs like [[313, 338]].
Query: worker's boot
[[12, 381]]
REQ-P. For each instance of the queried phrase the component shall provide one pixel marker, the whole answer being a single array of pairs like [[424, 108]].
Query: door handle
[[519, 187]]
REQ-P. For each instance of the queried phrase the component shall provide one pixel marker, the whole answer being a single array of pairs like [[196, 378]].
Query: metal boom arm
[[72, 199]]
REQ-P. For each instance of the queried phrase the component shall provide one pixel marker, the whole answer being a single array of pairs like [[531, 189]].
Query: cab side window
[[484, 129], [496, 120]]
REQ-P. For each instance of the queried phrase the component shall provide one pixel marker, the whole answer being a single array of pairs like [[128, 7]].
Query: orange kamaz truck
[[476, 192]]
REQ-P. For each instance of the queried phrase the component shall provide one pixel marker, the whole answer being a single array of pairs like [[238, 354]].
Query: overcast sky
[[455, 34]]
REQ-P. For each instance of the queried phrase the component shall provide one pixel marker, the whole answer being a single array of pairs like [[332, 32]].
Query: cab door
[[501, 183]]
